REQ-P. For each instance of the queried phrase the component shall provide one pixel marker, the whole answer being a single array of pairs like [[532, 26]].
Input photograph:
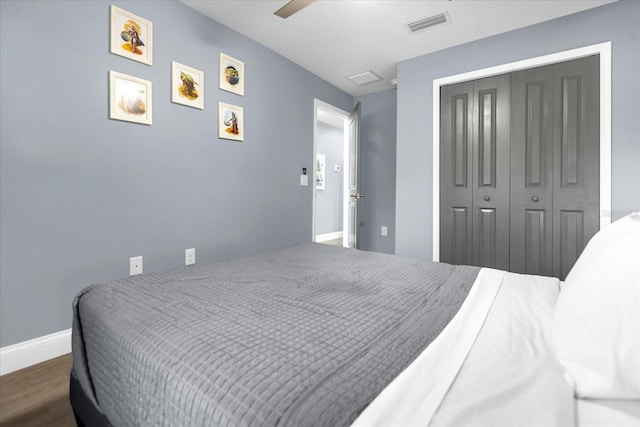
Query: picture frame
[[187, 85], [131, 36], [230, 122], [320, 171], [231, 74], [130, 98]]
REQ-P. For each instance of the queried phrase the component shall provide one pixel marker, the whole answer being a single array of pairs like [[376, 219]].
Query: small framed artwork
[[320, 171], [129, 98], [187, 85], [231, 74], [131, 36], [230, 122]]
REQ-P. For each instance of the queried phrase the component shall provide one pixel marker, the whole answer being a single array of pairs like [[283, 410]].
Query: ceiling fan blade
[[292, 7]]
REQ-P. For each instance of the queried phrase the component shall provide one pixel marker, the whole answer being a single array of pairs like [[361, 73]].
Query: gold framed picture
[[131, 36], [187, 85], [129, 98], [230, 122], [231, 74]]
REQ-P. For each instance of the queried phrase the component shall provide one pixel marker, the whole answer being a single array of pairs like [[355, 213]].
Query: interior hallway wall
[[329, 201], [378, 171]]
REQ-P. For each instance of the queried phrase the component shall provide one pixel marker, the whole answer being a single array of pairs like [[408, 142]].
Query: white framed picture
[[187, 85], [231, 74], [230, 122], [130, 98], [131, 36], [320, 171]]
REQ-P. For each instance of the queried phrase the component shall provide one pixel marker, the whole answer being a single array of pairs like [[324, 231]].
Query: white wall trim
[[329, 236], [602, 49], [31, 352]]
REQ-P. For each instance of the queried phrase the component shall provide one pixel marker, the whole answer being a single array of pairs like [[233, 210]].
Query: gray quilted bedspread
[[306, 336]]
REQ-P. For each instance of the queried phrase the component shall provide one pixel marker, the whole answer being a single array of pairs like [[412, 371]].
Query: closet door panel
[[456, 173], [486, 236], [571, 235], [531, 201], [576, 166], [460, 236], [491, 118]]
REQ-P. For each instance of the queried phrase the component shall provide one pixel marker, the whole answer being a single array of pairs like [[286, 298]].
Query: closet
[[519, 168]]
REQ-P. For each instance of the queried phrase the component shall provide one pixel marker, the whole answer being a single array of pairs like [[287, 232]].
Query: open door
[[353, 177]]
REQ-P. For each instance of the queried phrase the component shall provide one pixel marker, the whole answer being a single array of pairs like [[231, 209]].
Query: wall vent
[[430, 22]]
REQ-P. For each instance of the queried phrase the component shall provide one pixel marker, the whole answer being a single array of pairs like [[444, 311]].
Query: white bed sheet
[[511, 377], [601, 412], [493, 366]]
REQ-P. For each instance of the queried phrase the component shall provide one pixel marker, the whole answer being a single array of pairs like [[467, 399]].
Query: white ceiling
[[337, 38]]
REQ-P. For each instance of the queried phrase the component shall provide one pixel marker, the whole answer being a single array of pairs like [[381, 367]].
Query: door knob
[[357, 195], [535, 199], [487, 198]]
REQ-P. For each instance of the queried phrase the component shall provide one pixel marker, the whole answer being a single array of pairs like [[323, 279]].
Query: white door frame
[[602, 49], [342, 116]]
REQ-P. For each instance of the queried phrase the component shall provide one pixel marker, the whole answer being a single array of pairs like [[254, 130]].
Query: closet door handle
[[535, 199], [487, 198]]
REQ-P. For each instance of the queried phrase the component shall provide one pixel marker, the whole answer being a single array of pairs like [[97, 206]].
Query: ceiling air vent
[[429, 22], [364, 78]]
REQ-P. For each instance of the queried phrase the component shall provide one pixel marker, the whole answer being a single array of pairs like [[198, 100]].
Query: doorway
[[329, 174]]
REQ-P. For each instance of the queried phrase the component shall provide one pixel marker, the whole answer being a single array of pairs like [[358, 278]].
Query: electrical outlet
[[190, 256], [135, 265], [383, 230]]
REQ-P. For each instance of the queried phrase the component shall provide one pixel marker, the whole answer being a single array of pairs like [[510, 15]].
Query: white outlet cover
[[190, 256], [135, 265], [383, 230]]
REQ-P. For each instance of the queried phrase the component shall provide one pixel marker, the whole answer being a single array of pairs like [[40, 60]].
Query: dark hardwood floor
[[37, 395]]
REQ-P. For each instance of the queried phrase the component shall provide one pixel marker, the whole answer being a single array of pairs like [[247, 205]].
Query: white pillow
[[596, 321]]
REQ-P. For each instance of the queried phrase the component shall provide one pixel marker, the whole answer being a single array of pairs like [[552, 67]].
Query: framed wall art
[[129, 98], [231, 74], [187, 85], [131, 36], [230, 122], [320, 171]]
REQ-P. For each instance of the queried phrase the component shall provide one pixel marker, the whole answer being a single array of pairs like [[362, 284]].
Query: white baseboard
[[31, 352], [328, 236]]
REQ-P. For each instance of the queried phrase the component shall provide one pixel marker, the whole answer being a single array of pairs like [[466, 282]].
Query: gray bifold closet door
[[474, 173], [519, 185]]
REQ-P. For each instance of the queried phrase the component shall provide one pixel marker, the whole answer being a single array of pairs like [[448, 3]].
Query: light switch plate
[[304, 180], [383, 230], [135, 265], [190, 256]]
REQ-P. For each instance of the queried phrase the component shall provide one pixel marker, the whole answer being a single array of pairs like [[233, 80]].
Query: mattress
[[487, 362], [304, 336]]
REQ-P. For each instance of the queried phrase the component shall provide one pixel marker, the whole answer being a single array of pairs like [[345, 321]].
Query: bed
[[325, 336]]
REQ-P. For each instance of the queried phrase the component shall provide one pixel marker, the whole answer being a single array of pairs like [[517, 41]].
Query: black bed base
[[86, 413]]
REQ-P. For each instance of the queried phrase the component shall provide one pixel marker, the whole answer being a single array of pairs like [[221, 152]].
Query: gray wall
[[378, 171], [80, 194], [329, 201], [617, 22]]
